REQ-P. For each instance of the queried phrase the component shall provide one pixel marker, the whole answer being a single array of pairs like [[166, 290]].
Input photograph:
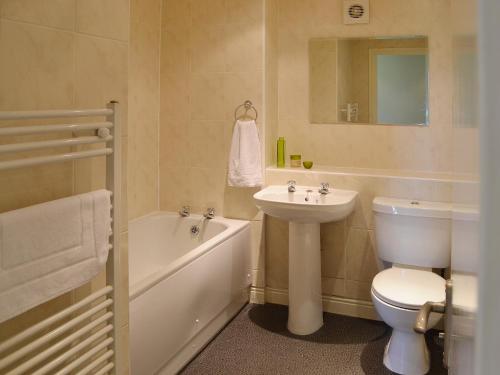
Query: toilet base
[[407, 353]]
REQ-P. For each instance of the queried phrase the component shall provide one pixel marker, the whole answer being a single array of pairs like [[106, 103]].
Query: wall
[[381, 147], [396, 161], [144, 107], [212, 60], [62, 55]]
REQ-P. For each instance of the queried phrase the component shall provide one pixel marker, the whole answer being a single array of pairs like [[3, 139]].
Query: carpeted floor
[[257, 342]]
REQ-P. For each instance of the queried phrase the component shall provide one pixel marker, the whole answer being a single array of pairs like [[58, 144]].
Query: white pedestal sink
[[305, 309]]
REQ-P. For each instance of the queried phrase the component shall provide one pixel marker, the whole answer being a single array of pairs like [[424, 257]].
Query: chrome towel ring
[[248, 105]]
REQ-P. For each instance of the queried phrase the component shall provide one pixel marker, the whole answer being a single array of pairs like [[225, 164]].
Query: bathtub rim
[[233, 227]]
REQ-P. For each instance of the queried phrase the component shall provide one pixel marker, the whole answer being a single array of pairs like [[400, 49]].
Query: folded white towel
[[50, 248], [245, 167]]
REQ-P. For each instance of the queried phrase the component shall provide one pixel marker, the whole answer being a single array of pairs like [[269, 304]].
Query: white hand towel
[[245, 167], [50, 248]]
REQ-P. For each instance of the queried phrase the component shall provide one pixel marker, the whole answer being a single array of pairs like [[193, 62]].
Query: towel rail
[[88, 327], [25, 115], [25, 130], [28, 162], [29, 146]]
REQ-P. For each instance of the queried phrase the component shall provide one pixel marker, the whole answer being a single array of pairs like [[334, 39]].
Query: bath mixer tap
[[185, 211], [324, 188], [291, 186], [210, 214]]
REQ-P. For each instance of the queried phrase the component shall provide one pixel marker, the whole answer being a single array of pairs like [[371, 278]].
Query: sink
[[305, 209], [276, 201]]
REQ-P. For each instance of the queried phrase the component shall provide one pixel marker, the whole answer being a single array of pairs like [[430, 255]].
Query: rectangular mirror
[[377, 80]]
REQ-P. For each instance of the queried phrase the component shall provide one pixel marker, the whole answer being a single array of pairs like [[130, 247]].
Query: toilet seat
[[408, 288]]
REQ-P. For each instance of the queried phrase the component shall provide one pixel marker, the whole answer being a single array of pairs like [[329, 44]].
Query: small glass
[[295, 161]]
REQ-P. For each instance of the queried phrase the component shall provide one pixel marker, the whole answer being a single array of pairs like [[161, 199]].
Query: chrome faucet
[[210, 214], [185, 211], [291, 186], [324, 188]]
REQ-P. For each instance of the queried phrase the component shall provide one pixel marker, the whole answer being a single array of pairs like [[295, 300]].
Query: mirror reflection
[[378, 80]]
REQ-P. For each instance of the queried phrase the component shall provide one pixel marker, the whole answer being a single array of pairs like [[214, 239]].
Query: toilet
[[415, 237]]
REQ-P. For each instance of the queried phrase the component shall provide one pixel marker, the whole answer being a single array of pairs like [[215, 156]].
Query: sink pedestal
[[305, 308]]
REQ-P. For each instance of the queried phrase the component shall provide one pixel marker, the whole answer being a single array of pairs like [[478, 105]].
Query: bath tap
[[324, 188], [210, 214], [185, 211], [291, 186]]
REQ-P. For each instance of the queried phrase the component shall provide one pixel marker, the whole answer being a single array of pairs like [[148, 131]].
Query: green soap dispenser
[[280, 151]]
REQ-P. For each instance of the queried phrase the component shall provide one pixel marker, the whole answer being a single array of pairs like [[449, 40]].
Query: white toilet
[[415, 237]]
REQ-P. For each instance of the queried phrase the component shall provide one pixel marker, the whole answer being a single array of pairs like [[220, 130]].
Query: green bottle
[[281, 152]]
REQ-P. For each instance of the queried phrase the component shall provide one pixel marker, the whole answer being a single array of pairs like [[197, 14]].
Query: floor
[[257, 342]]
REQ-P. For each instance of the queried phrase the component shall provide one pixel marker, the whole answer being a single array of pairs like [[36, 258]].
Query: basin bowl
[[276, 201]]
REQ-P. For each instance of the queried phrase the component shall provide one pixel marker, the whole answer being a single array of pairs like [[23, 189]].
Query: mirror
[[378, 80]]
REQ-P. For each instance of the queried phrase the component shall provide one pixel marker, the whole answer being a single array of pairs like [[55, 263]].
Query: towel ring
[[248, 105]]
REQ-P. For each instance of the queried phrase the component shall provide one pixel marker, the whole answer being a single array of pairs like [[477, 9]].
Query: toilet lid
[[408, 288]]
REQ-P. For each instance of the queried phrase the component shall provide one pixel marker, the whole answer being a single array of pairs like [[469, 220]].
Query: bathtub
[[183, 288]]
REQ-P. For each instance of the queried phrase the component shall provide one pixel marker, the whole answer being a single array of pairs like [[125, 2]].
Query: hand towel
[[245, 167], [51, 248]]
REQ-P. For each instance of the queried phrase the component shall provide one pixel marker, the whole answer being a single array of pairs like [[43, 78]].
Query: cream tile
[[358, 290], [333, 244], [207, 186], [36, 67], [207, 12], [258, 245], [101, 74], [206, 142], [362, 263], [276, 253], [207, 97], [239, 204], [245, 47], [176, 190], [242, 86], [53, 13], [333, 287], [241, 11], [108, 19], [208, 44], [146, 11]]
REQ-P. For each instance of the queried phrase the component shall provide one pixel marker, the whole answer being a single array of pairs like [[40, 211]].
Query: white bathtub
[[183, 288]]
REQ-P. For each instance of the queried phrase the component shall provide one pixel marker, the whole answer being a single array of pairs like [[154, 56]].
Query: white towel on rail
[[245, 167], [51, 248]]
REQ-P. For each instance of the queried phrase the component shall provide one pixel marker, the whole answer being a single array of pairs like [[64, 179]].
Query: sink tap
[[324, 188], [185, 211], [291, 186], [210, 214]]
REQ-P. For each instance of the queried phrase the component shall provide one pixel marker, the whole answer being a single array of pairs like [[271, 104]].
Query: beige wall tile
[[258, 253], [362, 263], [358, 290], [239, 204], [108, 19], [53, 13], [101, 73], [276, 253], [333, 242], [36, 67], [333, 287]]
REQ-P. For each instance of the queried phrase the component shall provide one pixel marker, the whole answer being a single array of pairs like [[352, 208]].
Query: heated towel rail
[[81, 339]]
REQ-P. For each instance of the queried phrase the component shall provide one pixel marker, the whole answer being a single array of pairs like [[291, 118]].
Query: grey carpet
[[257, 342]]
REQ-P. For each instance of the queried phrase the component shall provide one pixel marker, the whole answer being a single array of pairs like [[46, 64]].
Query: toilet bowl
[[414, 237], [398, 294]]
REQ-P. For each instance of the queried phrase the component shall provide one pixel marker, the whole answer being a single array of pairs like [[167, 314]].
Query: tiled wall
[[386, 147], [144, 107], [212, 60], [62, 55]]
